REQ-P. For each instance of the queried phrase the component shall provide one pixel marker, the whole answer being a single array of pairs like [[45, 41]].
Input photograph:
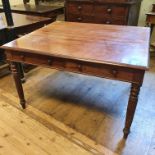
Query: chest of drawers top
[[108, 1]]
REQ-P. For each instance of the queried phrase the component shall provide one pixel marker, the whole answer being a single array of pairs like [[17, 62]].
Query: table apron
[[109, 71]]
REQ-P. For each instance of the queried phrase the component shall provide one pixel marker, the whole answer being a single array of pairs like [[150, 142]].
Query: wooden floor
[[84, 114], [20, 134]]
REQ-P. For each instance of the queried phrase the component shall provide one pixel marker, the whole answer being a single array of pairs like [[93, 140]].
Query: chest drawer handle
[[80, 67], [22, 57], [109, 10], [79, 19], [108, 22], [79, 7], [49, 61], [114, 72]]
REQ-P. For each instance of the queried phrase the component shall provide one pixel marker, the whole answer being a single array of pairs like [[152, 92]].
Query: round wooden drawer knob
[[49, 61], [109, 10], [114, 72], [79, 19], [80, 67], [79, 7], [22, 57], [108, 22]]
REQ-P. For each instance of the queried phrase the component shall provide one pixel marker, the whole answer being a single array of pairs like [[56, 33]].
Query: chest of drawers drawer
[[96, 19], [111, 10], [95, 10], [81, 18], [110, 20], [83, 8]]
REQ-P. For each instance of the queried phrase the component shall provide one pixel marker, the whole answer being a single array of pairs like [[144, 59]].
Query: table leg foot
[[126, 133], [23, 80], [133, 99], [23, 104], [16, 76]]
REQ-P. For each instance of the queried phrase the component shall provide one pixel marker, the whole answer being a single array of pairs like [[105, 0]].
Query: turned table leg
[[21, 72], [16, 76], [133, 99]]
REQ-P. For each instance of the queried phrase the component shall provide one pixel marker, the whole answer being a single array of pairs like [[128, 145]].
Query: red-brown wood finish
[[117, 12], [114, 52], [150, 19]]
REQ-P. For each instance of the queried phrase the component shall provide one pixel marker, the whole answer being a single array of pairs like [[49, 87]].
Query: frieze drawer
[[71, 65]]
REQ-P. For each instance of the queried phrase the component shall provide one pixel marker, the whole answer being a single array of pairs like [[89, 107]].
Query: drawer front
[[107, 71], [46, 61], [81, 18], [90, 68], [97, 20], [84, 9], [96, 9], [110, 20], [111, 10]]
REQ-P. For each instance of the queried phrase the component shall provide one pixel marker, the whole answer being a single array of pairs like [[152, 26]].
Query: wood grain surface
[[106, 44]]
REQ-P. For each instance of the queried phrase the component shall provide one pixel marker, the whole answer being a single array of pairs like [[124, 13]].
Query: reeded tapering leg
[[133, 99], [21, 72], [16, 76]]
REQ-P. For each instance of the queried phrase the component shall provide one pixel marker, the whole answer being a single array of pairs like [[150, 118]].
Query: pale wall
[[146, 7], [14, 2]]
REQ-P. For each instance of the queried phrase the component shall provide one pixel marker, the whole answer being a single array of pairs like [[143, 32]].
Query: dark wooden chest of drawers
[[119, 12]]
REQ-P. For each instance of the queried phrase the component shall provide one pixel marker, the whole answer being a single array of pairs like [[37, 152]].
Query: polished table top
[[107, 44], [21, 20]]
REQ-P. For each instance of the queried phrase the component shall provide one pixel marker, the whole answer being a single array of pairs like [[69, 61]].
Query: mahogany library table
[[107, 51]]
